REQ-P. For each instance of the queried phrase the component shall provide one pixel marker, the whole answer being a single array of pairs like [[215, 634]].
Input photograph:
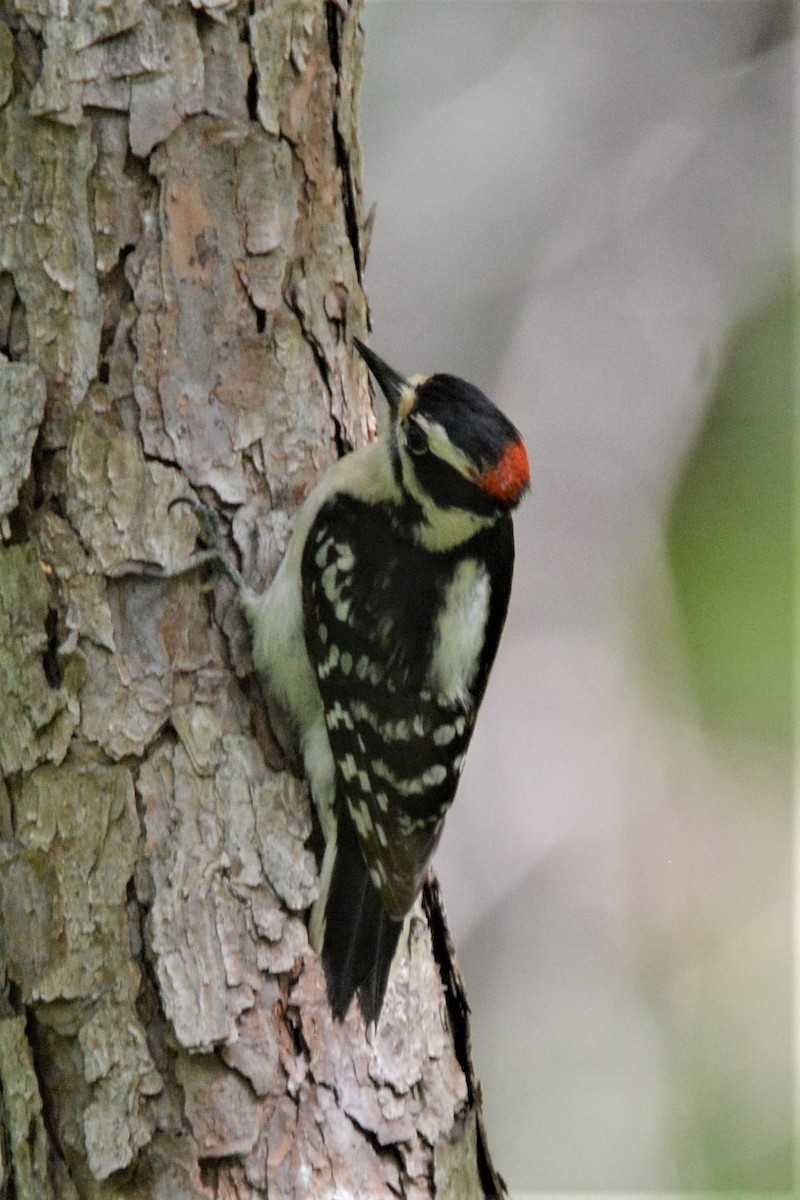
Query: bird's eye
[[416, 441]]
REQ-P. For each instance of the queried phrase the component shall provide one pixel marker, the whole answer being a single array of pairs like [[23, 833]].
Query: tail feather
[[360, 939]]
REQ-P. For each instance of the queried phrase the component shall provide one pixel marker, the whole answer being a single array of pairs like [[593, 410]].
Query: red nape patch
[[508, 479]]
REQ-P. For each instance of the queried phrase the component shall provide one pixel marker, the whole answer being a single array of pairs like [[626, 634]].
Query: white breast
[[460, 630]]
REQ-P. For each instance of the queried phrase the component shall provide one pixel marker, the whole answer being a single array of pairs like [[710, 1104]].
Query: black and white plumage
[[374, 644]]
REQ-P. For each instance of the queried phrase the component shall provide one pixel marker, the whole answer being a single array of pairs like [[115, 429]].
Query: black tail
[[360, 939]]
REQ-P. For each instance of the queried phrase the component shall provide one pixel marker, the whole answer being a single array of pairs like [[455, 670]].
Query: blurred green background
[[730, 536]]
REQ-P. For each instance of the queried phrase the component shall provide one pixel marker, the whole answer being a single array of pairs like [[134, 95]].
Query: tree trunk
[[181, 244]]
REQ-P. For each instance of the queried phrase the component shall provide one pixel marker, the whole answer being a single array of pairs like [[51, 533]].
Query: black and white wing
[[397, 728]]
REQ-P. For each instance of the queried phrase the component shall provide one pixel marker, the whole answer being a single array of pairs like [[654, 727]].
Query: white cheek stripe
[[442, 528], [443, 448]]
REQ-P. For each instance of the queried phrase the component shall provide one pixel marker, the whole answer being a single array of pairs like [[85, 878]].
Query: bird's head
[[455, 455]]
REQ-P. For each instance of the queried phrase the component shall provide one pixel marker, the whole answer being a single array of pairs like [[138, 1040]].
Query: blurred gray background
[[585, 208]]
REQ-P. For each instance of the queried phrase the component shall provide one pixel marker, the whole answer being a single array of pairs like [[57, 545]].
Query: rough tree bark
[[181, 244]]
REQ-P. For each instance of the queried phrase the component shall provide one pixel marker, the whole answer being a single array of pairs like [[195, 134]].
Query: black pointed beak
[[392, 383]]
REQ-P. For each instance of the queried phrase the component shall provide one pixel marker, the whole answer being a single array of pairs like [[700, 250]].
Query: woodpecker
[[373, 645]]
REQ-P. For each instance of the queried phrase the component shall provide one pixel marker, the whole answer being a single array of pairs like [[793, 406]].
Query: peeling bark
[[181, 248]]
